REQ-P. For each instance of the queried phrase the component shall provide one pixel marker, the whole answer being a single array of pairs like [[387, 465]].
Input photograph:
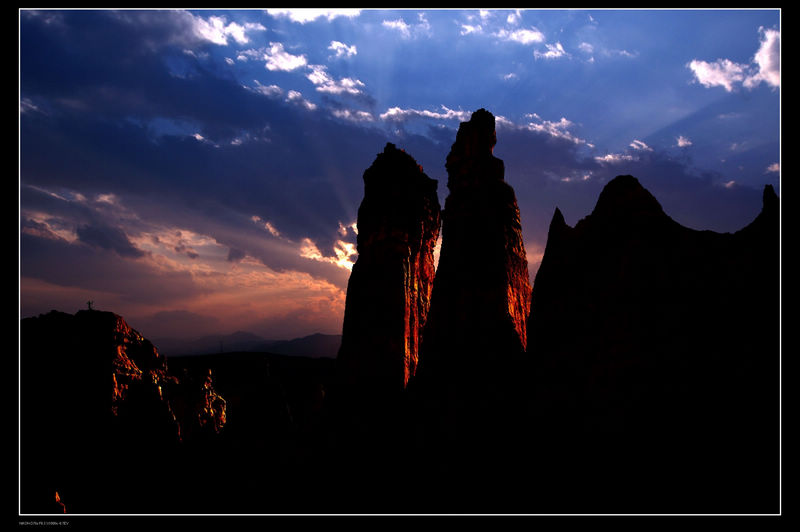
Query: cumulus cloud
[[774, 167], [340, 49], [764, 67], [721, 73], [279, 59], [683, 142], [218, 30], [767, 60]]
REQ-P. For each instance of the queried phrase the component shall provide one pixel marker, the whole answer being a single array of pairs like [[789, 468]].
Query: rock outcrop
[[476, 329], [98, 414], [655, 355], [388, 295]]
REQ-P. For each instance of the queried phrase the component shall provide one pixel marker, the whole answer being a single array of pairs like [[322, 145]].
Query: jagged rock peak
[[625, 197], [470, 158], [558, 220], [395, 157]]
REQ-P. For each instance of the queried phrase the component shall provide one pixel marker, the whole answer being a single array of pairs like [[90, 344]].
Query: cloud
[[406, 30], [279, 59], [554, 51], [397, 114], [398, 25], [613, 158], [774, 167], [217, 30], [303, 15], [767, 60], [683, 142], [721, 73], [466, 29], [296, 97], [559, 129], [319, 76], [340, 49], [353, 115], [521, 36], [640, 145], [764, 67]]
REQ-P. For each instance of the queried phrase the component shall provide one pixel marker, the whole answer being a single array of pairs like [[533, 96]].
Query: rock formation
[[98, 413], [388, 294], [654, 353], [476, 330]]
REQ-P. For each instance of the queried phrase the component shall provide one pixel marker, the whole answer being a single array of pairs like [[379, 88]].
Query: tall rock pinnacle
[[388, 294], [481, 294]]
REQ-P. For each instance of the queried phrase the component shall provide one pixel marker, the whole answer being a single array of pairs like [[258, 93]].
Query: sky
[[200, 172]]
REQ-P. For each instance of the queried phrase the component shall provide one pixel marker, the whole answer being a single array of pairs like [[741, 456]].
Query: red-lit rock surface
[[476, 329], [97, 405], [388, 295]]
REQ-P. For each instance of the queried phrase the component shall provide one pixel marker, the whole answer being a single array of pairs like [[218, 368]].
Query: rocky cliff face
[[388, 294], [654, 352]]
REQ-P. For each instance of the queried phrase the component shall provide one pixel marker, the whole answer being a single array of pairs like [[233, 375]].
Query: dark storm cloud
[[110, 238]]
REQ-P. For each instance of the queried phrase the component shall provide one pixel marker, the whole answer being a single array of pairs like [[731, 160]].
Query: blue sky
[[200, 171]]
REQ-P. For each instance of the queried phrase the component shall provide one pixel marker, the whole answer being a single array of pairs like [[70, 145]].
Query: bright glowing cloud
[[397, 114], [217, 30], [325, 83], [279, 59], [767, 60], [343, 250], [721, 73], [340, 49], [521, 36], [683, 142], [774, 167], [765, 67], [304, 15]]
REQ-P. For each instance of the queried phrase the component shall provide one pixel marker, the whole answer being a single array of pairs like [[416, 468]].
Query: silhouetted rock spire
[[388, 294], [480, 302]]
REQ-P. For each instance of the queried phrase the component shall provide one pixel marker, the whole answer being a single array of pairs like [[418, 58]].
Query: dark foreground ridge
[[639, 375]]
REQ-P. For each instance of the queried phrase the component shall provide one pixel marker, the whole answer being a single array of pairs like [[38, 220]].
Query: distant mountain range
[[314, 346]]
